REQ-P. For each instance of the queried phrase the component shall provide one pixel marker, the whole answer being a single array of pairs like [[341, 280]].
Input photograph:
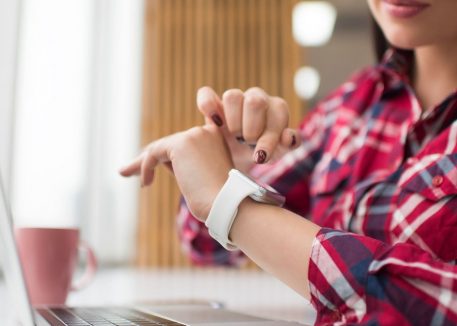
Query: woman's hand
[[200, 161], [254, 124]]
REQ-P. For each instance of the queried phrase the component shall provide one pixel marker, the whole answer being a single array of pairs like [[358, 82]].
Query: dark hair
[[381, 44], [379, 41]]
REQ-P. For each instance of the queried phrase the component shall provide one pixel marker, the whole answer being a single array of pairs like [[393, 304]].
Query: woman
[[373, 167]]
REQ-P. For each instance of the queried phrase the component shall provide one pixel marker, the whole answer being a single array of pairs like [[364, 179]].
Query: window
[[77, 119]]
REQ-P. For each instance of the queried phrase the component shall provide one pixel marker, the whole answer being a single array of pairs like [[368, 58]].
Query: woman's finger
[[277, 121], [133, 168], [157, 153], [255, 106], [210, 105], [232, 101], [290, 138], [154, 154], [147, 167]]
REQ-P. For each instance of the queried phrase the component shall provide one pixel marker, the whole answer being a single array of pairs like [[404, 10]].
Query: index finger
[[210, 105], [277, 122], [133, 168]]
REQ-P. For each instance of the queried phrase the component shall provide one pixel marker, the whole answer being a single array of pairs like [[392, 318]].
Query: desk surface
[[253, 292]]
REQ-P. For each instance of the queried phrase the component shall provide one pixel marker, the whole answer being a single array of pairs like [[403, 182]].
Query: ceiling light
[[306, 82], [313, 22]]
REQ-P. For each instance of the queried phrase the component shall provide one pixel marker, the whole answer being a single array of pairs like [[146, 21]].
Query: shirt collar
[[398, 61], [397, 67]]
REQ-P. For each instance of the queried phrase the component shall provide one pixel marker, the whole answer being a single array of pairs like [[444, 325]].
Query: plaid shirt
[[379, 174]]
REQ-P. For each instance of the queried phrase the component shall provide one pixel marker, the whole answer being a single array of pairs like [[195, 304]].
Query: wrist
[[205, 197], [225, 206], [244, 209]]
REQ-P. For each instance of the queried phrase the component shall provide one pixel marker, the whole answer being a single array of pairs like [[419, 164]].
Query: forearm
[[278, 240]]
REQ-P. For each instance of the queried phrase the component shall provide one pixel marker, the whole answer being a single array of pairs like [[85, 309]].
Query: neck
[[435, 74]]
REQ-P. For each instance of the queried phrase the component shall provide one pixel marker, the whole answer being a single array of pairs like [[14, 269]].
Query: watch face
[[267, 187], [265, 193], [269, 197], [254, 183]]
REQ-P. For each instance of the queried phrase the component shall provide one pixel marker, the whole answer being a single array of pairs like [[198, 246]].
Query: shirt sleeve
[[357, 279]]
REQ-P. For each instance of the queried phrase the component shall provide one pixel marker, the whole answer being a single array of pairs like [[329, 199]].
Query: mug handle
[[91, 268]]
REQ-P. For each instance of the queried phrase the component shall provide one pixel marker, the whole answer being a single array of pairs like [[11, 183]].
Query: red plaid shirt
[[379, 174]]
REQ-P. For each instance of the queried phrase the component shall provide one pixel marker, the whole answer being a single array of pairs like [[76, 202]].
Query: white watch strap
[[225, 208]]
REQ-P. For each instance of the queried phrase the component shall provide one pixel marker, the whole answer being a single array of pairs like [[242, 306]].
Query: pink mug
[[49, 257]]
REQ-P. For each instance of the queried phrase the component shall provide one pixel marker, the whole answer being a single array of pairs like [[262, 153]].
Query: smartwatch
[[225, 206]]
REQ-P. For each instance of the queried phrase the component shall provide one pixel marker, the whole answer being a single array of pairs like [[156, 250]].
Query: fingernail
[[260, 156], [240, 139], [217, 120], [294, 141]]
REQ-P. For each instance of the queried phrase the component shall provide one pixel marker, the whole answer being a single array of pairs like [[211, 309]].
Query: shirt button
[[437, 181]]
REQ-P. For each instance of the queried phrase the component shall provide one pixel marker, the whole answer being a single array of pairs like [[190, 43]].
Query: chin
[[404, 44], [404, 40]]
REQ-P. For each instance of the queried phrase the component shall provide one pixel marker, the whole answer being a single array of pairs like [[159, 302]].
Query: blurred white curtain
[[9, 17], [77, 119]]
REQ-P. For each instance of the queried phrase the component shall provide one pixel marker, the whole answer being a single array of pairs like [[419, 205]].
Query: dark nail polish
[[294, 141], [260, 156], [240, 139], [217, 120]]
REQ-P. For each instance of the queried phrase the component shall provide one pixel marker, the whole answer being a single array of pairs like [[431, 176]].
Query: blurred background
[[85, 84]]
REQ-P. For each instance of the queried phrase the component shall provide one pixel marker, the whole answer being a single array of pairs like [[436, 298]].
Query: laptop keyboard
[[102, 317]]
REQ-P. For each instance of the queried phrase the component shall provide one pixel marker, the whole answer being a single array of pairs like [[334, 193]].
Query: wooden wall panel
[[190, 44]]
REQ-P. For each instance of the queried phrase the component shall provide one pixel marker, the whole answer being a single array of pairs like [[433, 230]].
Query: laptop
[[199, 315]]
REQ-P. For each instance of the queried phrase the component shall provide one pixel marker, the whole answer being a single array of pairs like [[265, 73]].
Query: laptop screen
[[11, 263]]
